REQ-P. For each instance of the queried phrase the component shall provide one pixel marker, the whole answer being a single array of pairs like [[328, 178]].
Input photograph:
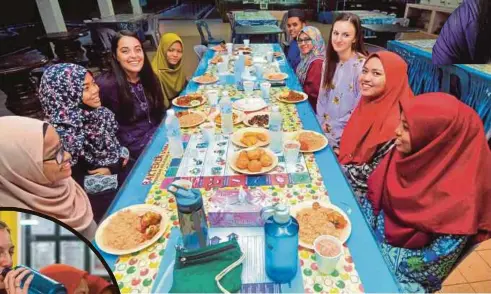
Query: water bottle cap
[[282, 214], [170, 112]]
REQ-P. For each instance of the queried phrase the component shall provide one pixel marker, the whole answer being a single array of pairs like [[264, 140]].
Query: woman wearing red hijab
[[369, 134], [430, 198], [77, 281]]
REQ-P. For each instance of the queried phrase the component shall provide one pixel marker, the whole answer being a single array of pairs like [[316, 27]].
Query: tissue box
[[237, 208]]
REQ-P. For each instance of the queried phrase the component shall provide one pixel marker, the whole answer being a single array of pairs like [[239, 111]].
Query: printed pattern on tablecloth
[[135, 273], [426, 45], [206, 165]]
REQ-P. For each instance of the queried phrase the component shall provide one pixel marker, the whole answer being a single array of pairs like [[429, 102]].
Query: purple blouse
[[134, 135], [334, 107]]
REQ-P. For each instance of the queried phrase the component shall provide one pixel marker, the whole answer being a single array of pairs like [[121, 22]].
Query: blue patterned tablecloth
[[424, 76], [367, 17], [257, 18]]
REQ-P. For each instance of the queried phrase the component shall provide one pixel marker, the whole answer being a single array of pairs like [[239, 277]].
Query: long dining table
[[320, 178]]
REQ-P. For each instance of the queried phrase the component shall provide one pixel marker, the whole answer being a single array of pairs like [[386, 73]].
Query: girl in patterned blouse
[[369, 134], [340, 91], [429, 200]]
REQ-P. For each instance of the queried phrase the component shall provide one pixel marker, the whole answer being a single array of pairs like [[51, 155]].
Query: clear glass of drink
[[248, 87], [246, 42], [328, 252], [291, 151], [212, 96], [265, 88], [208, 131]]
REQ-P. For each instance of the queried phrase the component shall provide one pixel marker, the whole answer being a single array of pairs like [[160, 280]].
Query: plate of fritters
[[292, 96], [276, 76], [317, 218], [131, 229], [190, 100], [251, 137], [253, 161]]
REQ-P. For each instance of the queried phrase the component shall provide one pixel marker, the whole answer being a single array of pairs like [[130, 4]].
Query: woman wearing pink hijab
[[35, 173]]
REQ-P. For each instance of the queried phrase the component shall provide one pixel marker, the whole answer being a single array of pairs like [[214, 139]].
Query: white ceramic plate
[[346, 232], [197, 80], [240, 133], [140, 210], [280, 98], [195, 103], [264, 170], [200, 113], [251, 115], [250, 104]]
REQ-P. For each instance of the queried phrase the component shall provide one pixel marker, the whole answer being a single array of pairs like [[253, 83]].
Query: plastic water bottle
[[275, 129], [40, 283], [174, 137], [226, 113], [281, 243], [239, 67]]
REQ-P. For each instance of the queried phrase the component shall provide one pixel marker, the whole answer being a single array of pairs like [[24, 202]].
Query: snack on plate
[[216, 59], [253, 160], [218, 118], [276, 76], [261, 120], [318, 220], [252, 138]]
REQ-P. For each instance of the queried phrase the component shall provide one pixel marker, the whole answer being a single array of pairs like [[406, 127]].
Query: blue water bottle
[[40, 284], [191, 213], [281, 243]]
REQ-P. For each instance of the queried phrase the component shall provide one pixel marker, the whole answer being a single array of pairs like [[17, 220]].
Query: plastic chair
[[210, 41], [200, 50], [153, 32], [404, 22]]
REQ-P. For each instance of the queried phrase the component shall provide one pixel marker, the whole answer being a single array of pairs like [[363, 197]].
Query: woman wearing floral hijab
[[309, 70], [70, 100]]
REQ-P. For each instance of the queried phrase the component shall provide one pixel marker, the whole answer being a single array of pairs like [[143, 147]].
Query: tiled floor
[[473, 275]]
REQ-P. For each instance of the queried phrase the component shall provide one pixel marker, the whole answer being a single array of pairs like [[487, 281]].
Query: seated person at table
[[295, 23], [429, 199], [70, 100], [369, 134], [132, 92], [464, 37], [35, 174], [78, 281], [167, 65], [309, 70], [340, 91]]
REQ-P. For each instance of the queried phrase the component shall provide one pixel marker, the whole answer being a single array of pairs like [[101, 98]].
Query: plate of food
[[216, 117], [219, 47], [277, 54], [310, 141], [205, 79], [253, 161], [251, 137], [190, 118], [257, 119], [276, 76], [190, 100], [216, 59], [320, 218], [292, 96], [250, 104], [245, 50], [131, 229]]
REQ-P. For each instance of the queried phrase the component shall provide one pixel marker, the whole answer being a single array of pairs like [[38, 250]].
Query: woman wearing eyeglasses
[[340, 90], [70, 100], [35, 173], [309, 70]]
